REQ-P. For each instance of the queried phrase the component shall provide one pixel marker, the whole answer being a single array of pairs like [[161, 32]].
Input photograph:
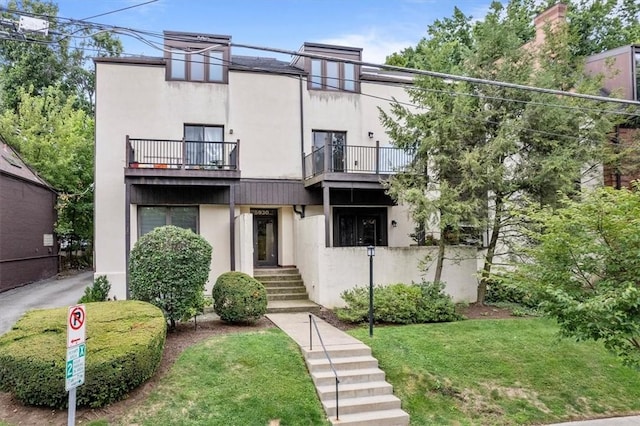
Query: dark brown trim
[[327, 215], [131, 60], [194, 42], [232, 229], [127, 234]]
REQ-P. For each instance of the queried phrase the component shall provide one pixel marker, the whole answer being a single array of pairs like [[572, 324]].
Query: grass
[[236, 379], [500, 372]]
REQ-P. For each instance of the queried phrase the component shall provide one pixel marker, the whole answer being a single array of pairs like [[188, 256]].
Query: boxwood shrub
[[239, 298], [169, 267], [124, 343], [399, 304]]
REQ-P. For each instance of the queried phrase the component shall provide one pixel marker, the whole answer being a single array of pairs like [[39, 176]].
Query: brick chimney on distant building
[[550, 18]]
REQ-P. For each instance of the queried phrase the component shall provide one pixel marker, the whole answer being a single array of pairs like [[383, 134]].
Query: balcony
[[350, 163], [182, 158]]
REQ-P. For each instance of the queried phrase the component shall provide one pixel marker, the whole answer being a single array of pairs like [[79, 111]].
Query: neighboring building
[[274, 163], [28, 249], [621, 70]]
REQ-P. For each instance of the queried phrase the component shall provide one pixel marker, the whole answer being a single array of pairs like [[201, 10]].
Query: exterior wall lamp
[[394, 223], [370, 135], [371, 252]]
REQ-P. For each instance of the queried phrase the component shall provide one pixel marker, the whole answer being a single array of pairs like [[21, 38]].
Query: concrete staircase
[[364, 397], [285, 290]]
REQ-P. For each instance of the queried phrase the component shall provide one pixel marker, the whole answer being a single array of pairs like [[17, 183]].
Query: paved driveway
[[51, 293]]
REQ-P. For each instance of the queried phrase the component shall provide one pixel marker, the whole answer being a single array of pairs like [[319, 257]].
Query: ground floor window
[[361, 226], [152, 217]]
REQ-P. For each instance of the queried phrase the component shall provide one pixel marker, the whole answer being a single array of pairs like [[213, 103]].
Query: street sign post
[[76, 351]]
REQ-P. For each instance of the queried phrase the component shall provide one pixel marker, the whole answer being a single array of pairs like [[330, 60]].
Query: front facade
[[28, 249], [274, 163]]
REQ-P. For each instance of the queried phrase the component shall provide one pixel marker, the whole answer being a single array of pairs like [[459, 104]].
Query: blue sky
[[379, 26]]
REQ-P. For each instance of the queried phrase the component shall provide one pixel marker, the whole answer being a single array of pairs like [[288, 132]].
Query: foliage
[[499, 291], [584, 266], [124, 345], [238, 297], [98, 292], [481, 149], [52, 60], [169, 268], [255, 378], [399, 303], [500, 372]]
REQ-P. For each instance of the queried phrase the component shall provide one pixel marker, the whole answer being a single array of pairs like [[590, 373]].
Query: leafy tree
[[56, 139], [585, 268], [169, 268], [481, 148]]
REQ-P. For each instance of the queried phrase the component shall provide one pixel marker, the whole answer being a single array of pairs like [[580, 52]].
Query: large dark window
[[362, 226], [150, 218], [202, 148]]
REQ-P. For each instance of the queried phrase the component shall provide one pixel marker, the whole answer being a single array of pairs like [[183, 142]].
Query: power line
[[119, 10]]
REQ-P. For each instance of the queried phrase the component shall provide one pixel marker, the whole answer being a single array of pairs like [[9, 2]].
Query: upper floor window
[[637, 69], [197, 57], [332, 75]]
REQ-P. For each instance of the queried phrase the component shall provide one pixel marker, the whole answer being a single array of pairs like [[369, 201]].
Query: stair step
[[357, 349], [395, 417], [275, 271], [342, 363], [361, 405], [289, 306], [280, 290], [272, 278], [323, 378], [288, 296], [354, 390], [278, 284]]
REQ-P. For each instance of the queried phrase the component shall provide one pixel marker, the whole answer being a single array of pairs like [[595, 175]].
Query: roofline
[[629, 48], [196, 35], [41, 183], [136, 60], [331, 46]]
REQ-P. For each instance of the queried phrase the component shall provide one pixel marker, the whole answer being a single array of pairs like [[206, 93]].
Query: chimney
[[551, 17]]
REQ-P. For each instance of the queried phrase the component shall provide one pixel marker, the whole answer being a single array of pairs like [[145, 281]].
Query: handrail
[[335, 373]]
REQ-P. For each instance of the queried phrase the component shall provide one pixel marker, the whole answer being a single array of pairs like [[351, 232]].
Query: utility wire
[[118, 10]]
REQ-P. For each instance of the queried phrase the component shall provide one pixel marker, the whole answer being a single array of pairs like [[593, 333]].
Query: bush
[[98, 292], [237, 297], [499, 291], [124, 345], [399, 304], [169, 268]]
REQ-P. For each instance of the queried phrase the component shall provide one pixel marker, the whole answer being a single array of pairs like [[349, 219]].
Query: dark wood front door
[[265, 237]]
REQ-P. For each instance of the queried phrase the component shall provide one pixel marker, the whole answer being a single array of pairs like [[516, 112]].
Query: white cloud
[[375, 46]]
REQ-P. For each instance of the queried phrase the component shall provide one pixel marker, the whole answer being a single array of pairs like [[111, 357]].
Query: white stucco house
[[275, 163]]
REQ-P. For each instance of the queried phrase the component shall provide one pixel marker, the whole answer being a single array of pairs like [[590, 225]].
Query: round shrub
[[169, 268], [124, 344], [237, 297]]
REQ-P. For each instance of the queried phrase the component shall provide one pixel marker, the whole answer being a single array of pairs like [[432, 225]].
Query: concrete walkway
[[612, 421]]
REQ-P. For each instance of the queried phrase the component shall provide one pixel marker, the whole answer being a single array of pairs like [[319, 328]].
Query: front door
[[265, 237]]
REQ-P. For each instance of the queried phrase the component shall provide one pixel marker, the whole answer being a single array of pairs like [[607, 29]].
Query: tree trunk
[[440, 260], [491, 249]]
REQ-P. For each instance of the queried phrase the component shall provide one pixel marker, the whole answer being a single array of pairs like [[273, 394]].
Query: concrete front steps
[[364, 397], [286, 292]]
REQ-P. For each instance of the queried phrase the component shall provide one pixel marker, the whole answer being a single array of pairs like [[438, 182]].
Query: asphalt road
[[51, 293]]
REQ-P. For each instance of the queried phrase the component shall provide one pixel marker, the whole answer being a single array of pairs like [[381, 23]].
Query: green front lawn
[[235, 379], [505, 372]]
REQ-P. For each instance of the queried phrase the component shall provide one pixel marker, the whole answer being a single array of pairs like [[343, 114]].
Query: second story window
[[197, 57], [332, 75]]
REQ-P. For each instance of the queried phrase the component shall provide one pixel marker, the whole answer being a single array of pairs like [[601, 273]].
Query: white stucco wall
[[329, 271], [244, 243]]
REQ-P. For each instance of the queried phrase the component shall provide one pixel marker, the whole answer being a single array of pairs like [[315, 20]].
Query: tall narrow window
[[197, 62], [349, 77], [178, 64], [216, 66], [333, 80], [335, 144], [333, 75], [316, 74]]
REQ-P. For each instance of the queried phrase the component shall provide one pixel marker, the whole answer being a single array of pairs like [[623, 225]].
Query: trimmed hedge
[[125, 340], [399, 304], [238, 297]]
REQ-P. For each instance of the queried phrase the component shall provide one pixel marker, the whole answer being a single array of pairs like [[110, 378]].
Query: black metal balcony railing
[[356, 159], [182, 154]]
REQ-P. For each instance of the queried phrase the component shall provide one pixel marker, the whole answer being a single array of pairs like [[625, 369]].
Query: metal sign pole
[[71, 417]]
